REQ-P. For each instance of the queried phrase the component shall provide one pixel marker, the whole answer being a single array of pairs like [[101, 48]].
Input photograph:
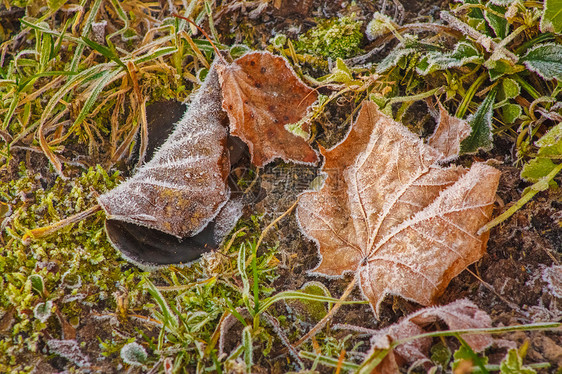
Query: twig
[[329, 315], [491, 288]]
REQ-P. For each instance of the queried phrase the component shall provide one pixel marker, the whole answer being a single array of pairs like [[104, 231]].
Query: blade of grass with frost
[[123, 16], [245, 281], [45, 50], [23, 85], [80, 78], [481, 124], [155, 43], [95, 7], [248, 348], [169, 318], [164, 51], [209, 11], [76, 80], [11, 110], [62, 35], [104, 51], [300, 295], [104, 81], [51, 32]]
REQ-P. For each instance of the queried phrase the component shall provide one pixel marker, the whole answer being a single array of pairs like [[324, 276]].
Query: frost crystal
[[553, 278], [70, 350], [379, 25], [42, 311], [133, 354]]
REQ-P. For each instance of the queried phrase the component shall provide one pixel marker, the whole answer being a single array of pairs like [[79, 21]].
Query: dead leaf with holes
[[458, 315], [262, 94], [391, 214]]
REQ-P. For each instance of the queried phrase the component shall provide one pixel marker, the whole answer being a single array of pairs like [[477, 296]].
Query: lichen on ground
[[73, 269], [336, 37]]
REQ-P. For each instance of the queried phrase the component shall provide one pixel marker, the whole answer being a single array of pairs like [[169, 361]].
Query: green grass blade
[[104, 51], [328, 361], [164, 51], [77, 79], [95, 7], [101, 84], [123, 16], [248, 348], [30, 80], [300, 295], [170, 319], [11, 110], [46, 52], [50, 32]]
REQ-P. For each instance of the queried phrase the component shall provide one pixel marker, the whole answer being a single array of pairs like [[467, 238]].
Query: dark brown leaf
[[261, 94]]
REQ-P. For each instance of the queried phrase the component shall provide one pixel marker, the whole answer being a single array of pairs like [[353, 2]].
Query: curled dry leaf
[[390, 213], [182, 193], [261, 94], [180, 190], [459, 315], [150, 248], [449, 134]]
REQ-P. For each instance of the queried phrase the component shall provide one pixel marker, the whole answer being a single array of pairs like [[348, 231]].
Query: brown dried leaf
[[449, 134], [183, 187], [261, 94], [459, 315], [390, 213]]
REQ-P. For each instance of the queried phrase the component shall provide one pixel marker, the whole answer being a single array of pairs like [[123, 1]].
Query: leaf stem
[[420, 96]]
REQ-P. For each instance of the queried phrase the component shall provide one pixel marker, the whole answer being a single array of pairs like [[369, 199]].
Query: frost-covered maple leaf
[[390, 213], [262, 94], [448, 134]]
